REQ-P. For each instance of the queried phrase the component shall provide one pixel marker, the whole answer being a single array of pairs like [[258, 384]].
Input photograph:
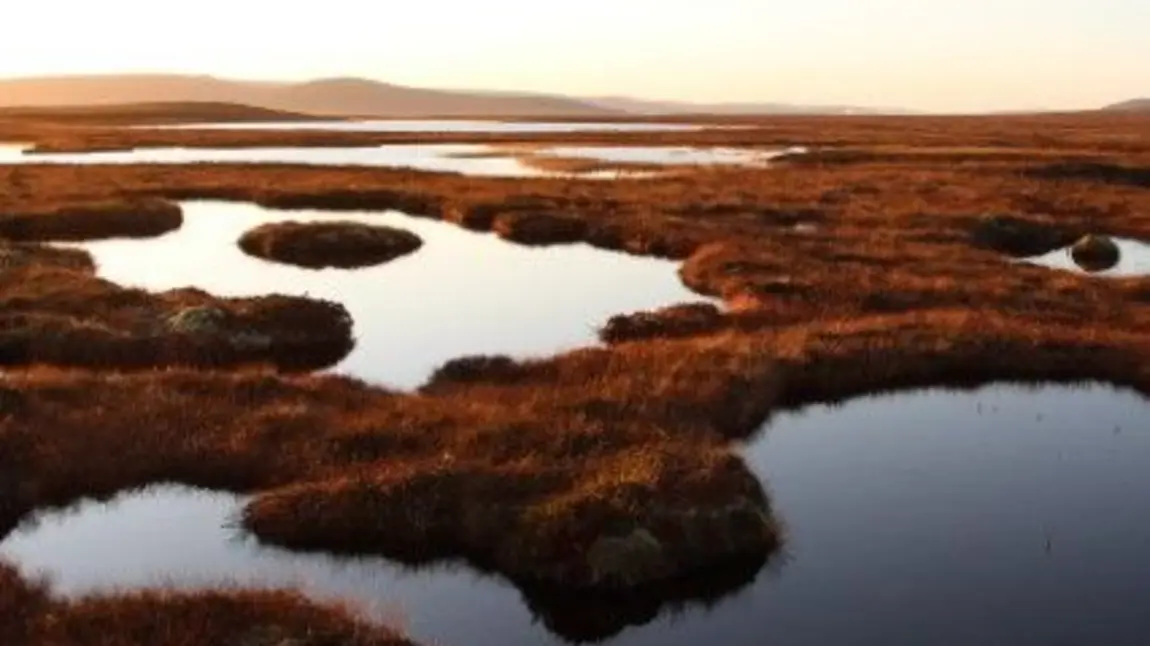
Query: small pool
[[441, 158], [467, 159], [1134, 260], [1005, 515], [665, 155], [462, 293]]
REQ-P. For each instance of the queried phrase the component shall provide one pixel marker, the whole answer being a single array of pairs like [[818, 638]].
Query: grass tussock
[[31, 616], [609, 467], [585, 473], [674, 321], [576, 166], [54, 309], [539, 229], [318, 245], [125, 218]]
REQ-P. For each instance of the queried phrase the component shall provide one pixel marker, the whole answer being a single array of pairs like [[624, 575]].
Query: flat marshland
[[886, 257]]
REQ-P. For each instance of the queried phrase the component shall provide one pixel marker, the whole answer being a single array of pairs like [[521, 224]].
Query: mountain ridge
[[1132, 105], [655, 107], [332, 97]]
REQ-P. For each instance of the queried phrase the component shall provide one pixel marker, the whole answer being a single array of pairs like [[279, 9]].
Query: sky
[[934, 55]]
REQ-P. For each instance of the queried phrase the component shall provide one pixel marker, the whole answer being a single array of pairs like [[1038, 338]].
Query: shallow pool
[[1134, 260], [665, 155], [441, 158], [467, 159], [461, 293], [1005, 515]]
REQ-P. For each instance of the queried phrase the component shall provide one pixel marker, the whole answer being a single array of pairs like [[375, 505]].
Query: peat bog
[[882, 260]]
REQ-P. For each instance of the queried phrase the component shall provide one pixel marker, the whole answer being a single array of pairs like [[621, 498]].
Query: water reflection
[[599, 617], [441, 158], [1134, 260], [665, 155], [1004, 515], [183, 538], [468, 159], [462, 293]]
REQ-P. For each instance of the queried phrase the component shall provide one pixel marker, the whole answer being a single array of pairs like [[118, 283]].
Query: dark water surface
[[1002, 516]]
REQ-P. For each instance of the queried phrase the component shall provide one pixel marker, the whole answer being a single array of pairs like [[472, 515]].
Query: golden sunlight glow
[[937, 55]]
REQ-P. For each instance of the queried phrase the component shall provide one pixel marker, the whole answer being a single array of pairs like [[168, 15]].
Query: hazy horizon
[[943, 56]]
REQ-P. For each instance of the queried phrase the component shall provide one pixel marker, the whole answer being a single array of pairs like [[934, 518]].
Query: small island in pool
[[319, 245]]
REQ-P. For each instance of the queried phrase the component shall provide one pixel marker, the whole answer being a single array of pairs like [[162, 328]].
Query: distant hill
[[650, 107], [337, 97], [151, 113], [1133, 105]]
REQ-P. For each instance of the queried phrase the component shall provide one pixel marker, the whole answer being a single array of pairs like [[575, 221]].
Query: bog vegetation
[[885, 258]]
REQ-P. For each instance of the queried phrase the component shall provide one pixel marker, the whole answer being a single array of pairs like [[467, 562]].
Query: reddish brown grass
[[30, 616], [126, 218], [556, 470], [539, 228], [979, 139], [53, 309], [673, 321], [317, 245]]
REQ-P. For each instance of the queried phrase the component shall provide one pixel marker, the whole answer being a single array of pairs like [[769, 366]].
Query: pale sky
[[947, 55]]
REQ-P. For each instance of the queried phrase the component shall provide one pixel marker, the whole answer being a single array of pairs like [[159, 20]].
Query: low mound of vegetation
[[539, 229], [609, 467], [54, 309], [673, 321], [319, 245], [581, 166], [30, 615], [132, 218], [599, 469]]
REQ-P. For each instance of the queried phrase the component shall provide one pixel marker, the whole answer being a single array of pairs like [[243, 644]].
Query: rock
[[251, 340], [626, 560], [1016, 236], [197, 320], [1095, 253]]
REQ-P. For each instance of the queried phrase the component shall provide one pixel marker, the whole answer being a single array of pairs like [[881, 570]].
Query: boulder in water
[[1095, 253]]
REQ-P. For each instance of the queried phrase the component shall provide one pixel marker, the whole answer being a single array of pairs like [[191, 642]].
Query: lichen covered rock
[[197, 320]]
